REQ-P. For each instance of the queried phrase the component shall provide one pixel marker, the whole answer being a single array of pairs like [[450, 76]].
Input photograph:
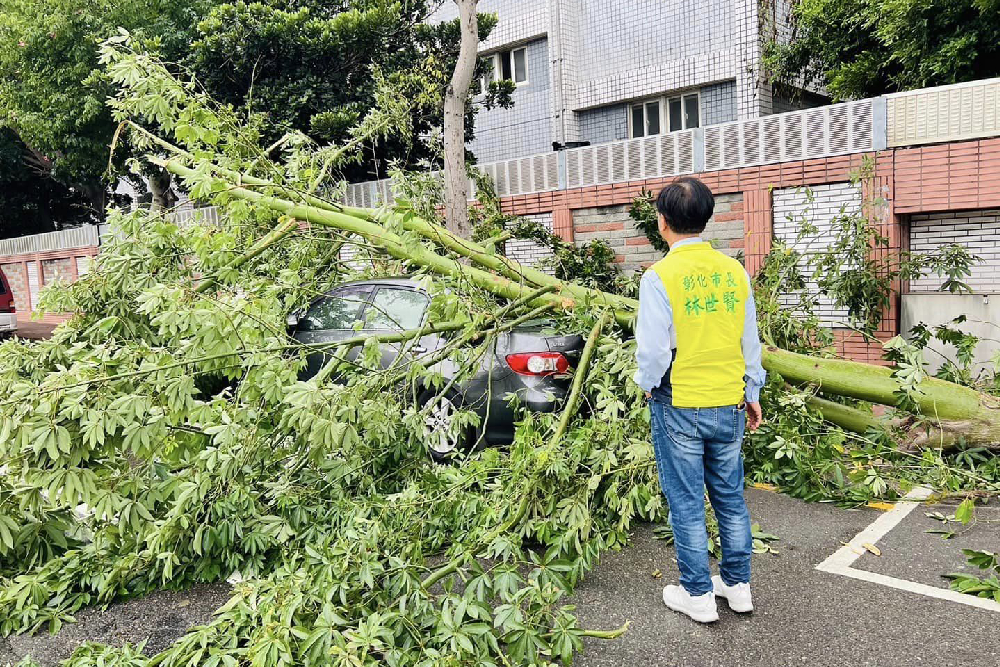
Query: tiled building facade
[[591, 62]]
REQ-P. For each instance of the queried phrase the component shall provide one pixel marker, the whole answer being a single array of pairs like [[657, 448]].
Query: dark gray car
[[526, 361]]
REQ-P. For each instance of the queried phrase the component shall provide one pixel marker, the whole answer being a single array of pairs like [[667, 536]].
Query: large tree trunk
[[456, 179], [953, 412]]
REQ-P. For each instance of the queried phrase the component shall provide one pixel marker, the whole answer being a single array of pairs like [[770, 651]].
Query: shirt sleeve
[[653, 332], [752, 349]]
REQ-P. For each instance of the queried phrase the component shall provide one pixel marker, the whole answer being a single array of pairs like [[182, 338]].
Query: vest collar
[[692, 242]]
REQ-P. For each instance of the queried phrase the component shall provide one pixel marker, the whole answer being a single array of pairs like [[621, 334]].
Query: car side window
[[396, 309], [337, 311]]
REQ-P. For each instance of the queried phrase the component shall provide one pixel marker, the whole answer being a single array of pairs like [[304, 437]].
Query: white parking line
[[840, 562]]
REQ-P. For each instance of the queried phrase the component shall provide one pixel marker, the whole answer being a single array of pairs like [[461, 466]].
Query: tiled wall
[[524, 129], [519, 20], [979, 231], [599, 126], [529, 252], [634, 49], [792, 208], [718, 103]]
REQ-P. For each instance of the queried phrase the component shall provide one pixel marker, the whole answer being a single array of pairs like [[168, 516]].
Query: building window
[[650, 117], [511, 65]]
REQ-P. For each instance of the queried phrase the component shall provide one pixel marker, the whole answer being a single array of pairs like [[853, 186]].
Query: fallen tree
[[953, 412], [163, 437]]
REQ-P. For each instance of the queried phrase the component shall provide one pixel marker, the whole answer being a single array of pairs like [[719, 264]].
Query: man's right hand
[[755, 416]]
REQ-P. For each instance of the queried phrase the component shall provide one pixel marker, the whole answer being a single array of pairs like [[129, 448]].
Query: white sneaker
[[700, 608], [738, 596]]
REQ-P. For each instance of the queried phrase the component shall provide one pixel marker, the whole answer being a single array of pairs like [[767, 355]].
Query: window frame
[[664, 113], [369, 307], [506, 55]]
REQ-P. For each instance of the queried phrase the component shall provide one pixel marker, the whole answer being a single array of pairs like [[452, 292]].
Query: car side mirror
[[293, 319]]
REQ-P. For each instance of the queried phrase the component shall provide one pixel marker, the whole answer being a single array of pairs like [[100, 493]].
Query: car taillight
[[538, 363]]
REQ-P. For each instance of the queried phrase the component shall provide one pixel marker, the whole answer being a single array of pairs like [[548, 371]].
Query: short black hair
[[686, 204]]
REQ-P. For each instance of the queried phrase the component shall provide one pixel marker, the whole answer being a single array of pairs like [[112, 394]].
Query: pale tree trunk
[[163, 194], [456, 179]]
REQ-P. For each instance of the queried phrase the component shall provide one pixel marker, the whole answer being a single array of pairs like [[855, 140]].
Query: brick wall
[[792, 208], [979, 231], [65, 264], [633, 251], [60, 268], [18, 281]]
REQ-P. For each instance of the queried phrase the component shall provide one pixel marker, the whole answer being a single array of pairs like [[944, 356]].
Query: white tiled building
[[598, 71]]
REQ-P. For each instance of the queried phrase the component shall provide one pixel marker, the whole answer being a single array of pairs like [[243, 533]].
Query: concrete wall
[[979, 231], [982, 311]]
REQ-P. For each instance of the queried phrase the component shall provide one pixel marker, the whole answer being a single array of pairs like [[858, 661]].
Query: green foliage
[[643, 213], [984, 587], [862, 48], [591, 263], [33, 205], [52, 89]]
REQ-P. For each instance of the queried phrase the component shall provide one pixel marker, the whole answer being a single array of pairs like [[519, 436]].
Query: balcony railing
[[946, 113]]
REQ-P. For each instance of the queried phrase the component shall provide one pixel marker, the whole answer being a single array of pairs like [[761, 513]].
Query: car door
[[331, 318], [394, 308]]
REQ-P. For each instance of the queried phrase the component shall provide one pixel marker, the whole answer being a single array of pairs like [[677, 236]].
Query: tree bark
[[456, 178], [160, 188]]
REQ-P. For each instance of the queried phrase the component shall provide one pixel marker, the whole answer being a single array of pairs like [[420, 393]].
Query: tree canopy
[[52, 90], [860, 48], [307, 67]]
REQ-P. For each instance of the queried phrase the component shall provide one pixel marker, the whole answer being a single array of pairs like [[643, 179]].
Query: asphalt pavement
[[803, 616]]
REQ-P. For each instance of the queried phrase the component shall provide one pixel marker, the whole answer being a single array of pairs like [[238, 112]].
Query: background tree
[[52, 90], [456, 178], [29, 203], [860, 48], [307, 67]]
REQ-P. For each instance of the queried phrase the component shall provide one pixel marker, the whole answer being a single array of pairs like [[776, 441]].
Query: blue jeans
[[697, 448]]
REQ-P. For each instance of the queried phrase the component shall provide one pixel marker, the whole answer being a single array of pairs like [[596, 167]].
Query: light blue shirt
[[656, 338]]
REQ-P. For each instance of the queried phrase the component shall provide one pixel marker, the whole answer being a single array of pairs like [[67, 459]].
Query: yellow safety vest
[[708, 293]]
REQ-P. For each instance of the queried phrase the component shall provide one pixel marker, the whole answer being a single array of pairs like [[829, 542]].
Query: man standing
[[699, 357]]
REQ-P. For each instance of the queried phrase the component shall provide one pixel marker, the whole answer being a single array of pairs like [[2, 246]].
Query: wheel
[[442, 442]]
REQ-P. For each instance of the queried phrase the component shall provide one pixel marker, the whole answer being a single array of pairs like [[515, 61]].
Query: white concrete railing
[[930, 115], [535, 173], [75, 237], [836, 129], [946, 113]]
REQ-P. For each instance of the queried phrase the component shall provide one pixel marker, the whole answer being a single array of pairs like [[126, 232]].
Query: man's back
[[708, 293]]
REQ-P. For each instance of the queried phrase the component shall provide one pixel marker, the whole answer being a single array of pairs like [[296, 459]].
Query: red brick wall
[[947, 177], [53, 264]]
